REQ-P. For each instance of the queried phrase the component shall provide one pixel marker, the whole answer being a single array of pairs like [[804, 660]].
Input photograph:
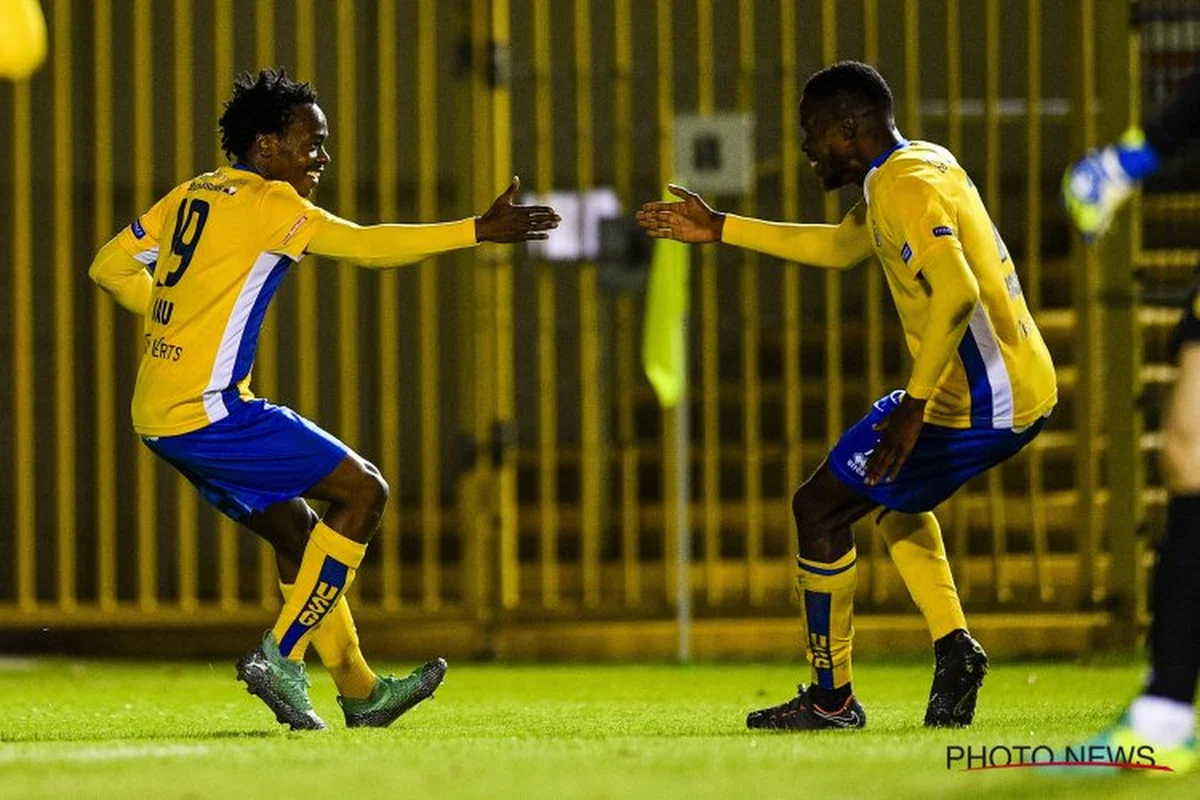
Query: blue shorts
[[259, 455], [942, 460]]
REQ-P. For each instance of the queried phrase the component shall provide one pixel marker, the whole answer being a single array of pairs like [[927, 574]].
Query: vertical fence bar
[[873, 317], [349, 381], [751, 381], [427, 312], [624, 310], [503, 423], [227, 531], [1086, 269], [834, 384], [307, 317], [389, 300], [793, 398], [1033, 284], [102, 329], [547, 348], [64, 311], [675, 438], [266, 360], [143, 187], [184, 119], [954, 122], [710, 351], [991, 116], [22, 347], [592, 459]]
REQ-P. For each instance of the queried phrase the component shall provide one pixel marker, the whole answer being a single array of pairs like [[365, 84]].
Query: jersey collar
[[242, 165], [877, 163]]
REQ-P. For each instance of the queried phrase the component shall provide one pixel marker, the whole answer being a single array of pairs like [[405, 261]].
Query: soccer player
[[217, 247], [1094, 188], [22, 38], [982, 381]]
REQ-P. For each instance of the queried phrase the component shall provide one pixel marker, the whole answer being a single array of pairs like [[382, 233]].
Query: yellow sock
[[326, 570], [915, 542], [828, 594], [336, 642]]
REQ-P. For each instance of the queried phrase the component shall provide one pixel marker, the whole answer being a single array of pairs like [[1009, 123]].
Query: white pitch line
[[11, 755]]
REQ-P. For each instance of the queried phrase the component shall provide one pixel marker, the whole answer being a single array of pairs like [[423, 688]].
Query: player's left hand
[[505, 222], [900, 431]]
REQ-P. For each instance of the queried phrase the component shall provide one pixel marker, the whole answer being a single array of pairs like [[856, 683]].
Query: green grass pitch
[[86, 729]]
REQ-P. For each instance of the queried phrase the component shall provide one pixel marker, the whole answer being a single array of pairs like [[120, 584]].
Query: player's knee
[[372, 490], [1181, 456]]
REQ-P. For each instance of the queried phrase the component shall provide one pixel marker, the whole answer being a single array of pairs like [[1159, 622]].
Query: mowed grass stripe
[[188, 730]]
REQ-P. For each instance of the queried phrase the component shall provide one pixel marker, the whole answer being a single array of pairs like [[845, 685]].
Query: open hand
[[506, 223], [691, 220], [900, 431]]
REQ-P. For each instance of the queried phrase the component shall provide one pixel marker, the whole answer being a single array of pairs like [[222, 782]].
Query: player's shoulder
[[920, 162]]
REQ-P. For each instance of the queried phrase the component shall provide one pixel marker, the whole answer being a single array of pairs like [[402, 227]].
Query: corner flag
[[663, 346]]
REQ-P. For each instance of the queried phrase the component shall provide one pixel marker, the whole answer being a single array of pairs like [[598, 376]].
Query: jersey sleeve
[[920, 216], [141, 238], [289, 221]]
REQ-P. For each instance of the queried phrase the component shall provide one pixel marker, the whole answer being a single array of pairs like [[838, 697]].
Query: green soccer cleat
[[393, 696], [280, 683], [1122, 743]]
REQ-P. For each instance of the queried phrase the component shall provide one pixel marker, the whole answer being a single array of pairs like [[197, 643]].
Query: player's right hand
[[506, 222], [691, 220]]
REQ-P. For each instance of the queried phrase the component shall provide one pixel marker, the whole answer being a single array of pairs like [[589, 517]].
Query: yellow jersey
[[918, 200], [218, 247]]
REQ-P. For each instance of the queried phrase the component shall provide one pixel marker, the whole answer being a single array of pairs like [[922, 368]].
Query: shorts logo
[[295, 227], [138, 231], [906, 253], [943, 230], [857, 463], [318, 604]]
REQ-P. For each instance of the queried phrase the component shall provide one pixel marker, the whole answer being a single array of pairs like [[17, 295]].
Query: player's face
[[299, 154], [826, 145]]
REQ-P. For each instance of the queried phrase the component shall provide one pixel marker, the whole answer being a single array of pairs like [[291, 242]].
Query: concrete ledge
[[876, 636]]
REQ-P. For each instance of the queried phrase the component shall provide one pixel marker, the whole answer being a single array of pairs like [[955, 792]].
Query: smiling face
[[298, 154], [829, 144]]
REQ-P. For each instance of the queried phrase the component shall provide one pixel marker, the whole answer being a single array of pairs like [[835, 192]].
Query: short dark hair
[[850, 86], [261, 103]]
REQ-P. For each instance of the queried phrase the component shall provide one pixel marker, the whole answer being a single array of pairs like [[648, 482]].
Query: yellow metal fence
[[501, 395]]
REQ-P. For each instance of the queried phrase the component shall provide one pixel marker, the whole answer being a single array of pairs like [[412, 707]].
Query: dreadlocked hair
[[261, 103]]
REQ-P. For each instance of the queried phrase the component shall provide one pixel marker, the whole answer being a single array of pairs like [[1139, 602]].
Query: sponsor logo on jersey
[[138, 231], [943, 230]]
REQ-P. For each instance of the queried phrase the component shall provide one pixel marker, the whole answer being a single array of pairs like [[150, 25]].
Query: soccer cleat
[[393, 696], [957, 676], [280, 683], [1094, 188], [802, 714], [1122, 743]]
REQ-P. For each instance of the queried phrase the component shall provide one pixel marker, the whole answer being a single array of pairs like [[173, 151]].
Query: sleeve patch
[[906, 253], [943, 230], [295, 227], [138, 231]]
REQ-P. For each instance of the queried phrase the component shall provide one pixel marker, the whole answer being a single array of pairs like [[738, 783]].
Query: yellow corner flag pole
[[664, 359]]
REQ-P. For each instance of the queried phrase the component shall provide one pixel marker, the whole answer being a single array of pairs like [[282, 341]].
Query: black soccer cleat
[[802, 714], [957, 676]]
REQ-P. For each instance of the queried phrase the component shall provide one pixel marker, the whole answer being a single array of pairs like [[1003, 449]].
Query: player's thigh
[[286, 525], [1181, 429]]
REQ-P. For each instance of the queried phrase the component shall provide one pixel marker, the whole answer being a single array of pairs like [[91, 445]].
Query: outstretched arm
[[397, 245], [692, 220], [123, 277]]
